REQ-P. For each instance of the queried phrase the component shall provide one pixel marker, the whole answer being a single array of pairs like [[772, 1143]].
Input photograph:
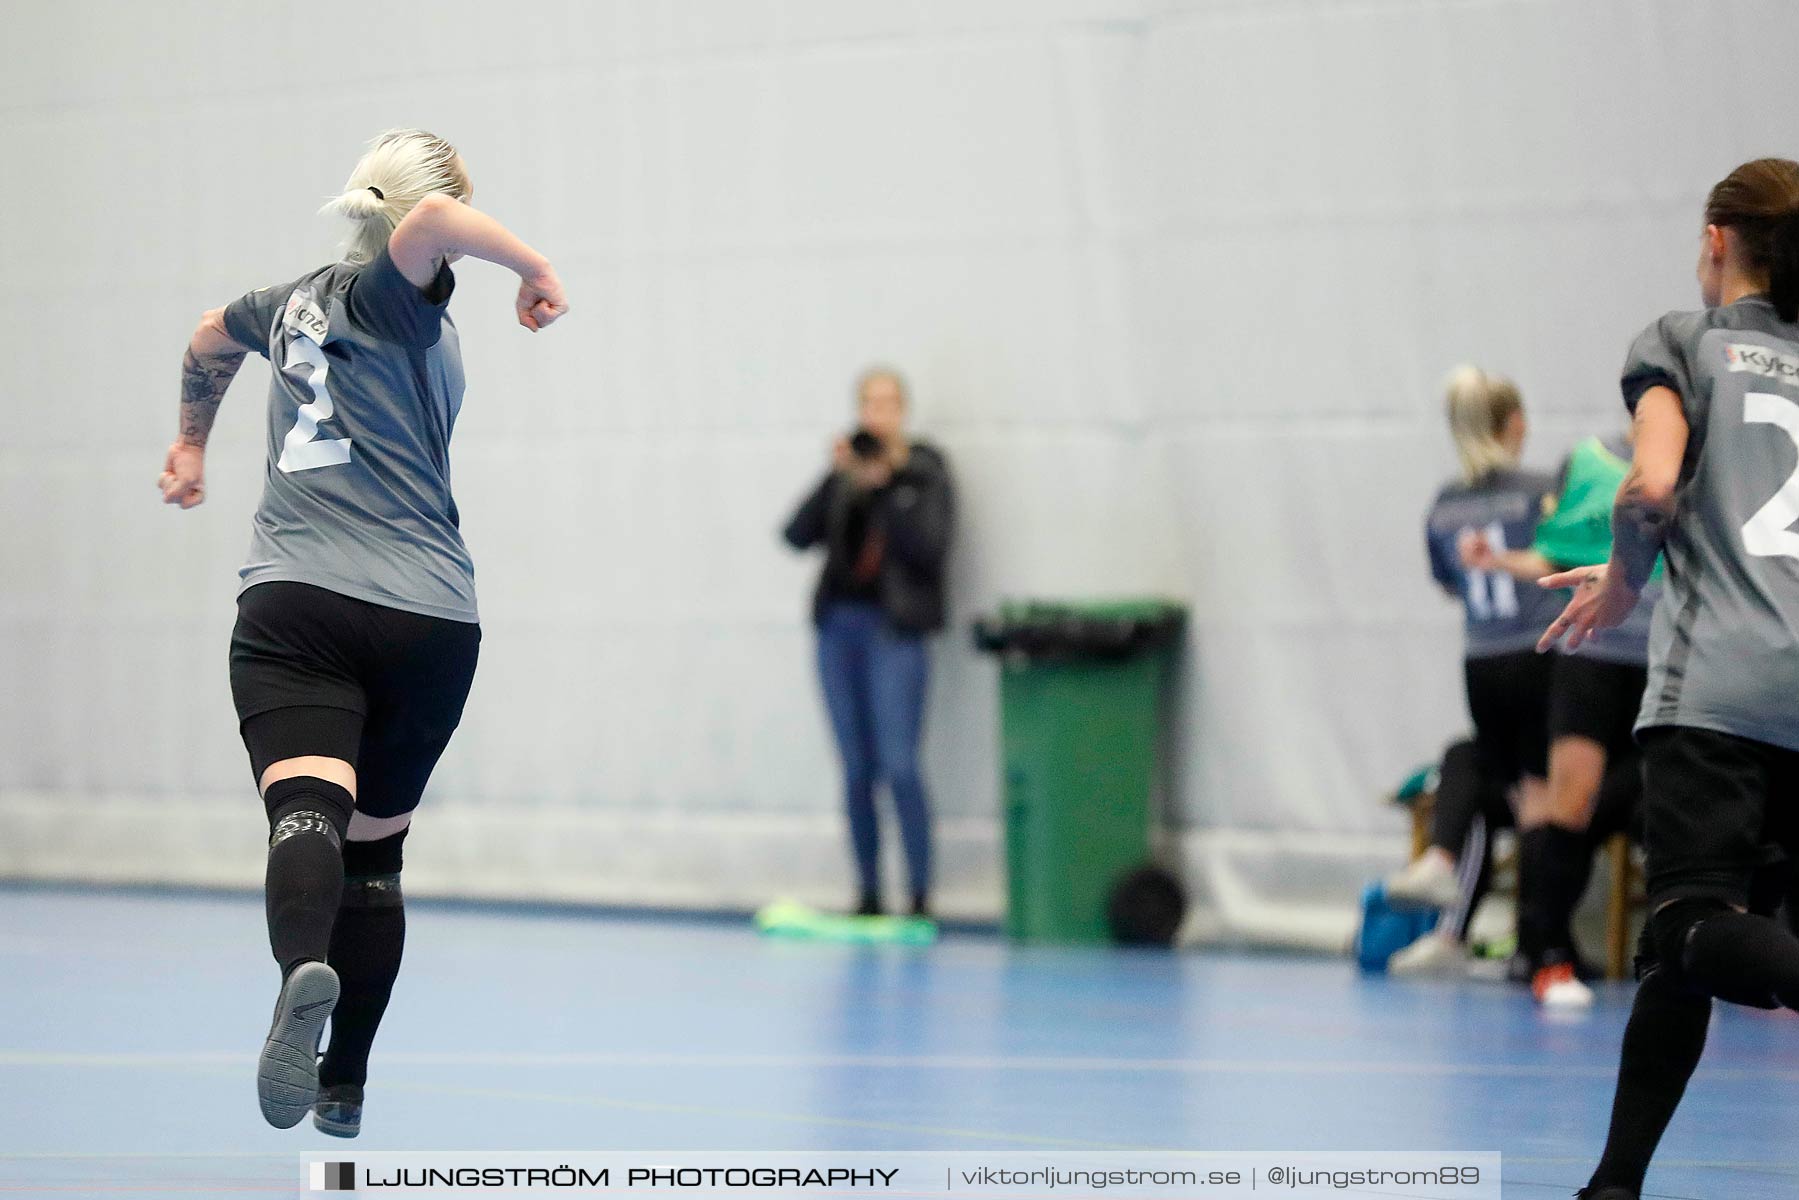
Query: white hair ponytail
[[400, 168], [1480, 405]]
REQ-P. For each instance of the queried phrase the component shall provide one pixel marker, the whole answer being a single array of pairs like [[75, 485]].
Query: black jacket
[[914, 512]]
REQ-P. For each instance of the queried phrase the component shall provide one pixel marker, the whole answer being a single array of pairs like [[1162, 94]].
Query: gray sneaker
[[338, 1110], [1432, 954], [287, 1074]]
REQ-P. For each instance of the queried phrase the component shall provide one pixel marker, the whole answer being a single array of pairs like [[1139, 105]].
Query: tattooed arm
[[1604, 595], [1646, 498], [207, 369]]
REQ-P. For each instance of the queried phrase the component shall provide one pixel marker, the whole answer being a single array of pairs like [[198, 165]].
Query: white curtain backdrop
[[1175, 284]]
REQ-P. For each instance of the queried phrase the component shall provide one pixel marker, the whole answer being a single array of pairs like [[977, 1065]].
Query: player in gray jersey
[[357, 632], [1507, 685], [1713, 484]]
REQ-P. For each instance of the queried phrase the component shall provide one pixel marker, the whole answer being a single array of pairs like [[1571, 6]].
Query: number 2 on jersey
[[303, 449], [1769, 534]]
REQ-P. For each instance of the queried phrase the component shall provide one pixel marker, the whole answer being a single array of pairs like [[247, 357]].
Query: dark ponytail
[[1783, 265], [1760, 200]]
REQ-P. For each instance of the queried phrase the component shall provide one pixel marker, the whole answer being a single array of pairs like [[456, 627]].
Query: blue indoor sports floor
[[128, 1023]]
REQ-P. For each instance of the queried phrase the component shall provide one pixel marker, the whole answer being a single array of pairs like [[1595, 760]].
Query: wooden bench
[[1624, 884]]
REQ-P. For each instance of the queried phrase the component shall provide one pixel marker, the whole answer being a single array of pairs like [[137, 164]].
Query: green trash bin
[[1081, 687]]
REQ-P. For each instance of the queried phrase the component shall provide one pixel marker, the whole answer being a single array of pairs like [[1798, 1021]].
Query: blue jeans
[[874, 681]]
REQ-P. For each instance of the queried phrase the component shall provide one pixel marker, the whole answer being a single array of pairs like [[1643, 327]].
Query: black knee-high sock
[[1554, 866], [307, 821], [1532, 936], [1571, 868], [366, 947], [1662, 1044], [1745, 959]]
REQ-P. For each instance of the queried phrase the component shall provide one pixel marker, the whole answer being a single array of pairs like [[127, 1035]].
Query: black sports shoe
[[870, 905], [338, 1110], [287, 1074], [1610, 1193]]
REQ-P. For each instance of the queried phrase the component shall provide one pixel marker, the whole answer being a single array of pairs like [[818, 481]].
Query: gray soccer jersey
[[1502, 615], [367, 382], [1724, 646]]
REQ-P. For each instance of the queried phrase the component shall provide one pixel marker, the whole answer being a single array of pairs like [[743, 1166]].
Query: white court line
[[926, 1062], [174, 1156]]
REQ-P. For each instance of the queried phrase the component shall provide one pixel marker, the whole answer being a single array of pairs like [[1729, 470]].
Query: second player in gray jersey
[[1714, 482], [357, 633]]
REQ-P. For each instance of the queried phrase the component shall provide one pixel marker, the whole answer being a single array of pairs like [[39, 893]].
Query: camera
[[866, 446]]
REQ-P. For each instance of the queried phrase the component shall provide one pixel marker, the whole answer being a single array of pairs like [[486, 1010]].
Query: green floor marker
[[799, 922]]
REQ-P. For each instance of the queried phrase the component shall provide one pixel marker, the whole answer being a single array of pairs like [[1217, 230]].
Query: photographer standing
[[883, 513]]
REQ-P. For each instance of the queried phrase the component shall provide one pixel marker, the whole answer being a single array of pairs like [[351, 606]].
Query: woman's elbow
[[1656, 490], [420, 233], [800, 535], [211, 338]]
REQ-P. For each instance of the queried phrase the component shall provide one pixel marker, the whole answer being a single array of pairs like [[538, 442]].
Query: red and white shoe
[[1559, 987]]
